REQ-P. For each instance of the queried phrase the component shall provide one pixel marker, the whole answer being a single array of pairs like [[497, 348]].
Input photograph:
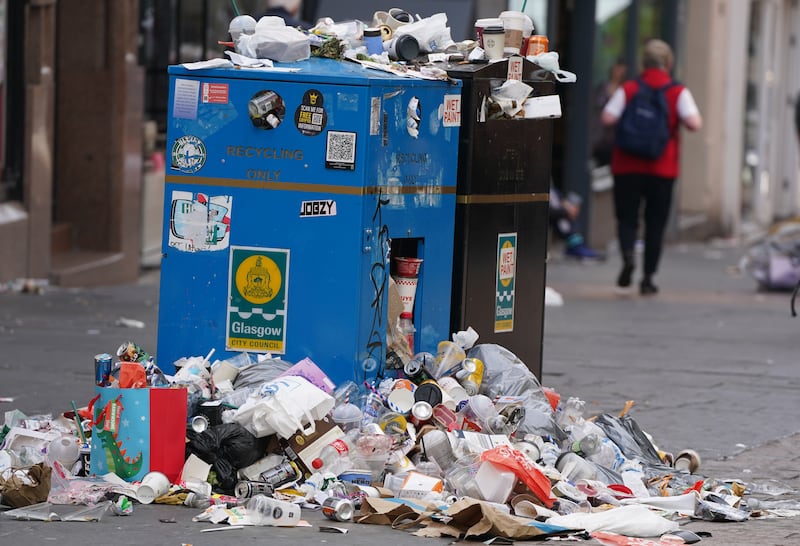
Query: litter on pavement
[[464, 443]]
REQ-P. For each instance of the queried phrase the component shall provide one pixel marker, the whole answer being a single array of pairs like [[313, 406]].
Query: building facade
[[83, 101]]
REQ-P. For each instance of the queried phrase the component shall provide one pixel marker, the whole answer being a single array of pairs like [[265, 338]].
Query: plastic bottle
[[607, 454], [571, 413], [587, 446], [335, 457]]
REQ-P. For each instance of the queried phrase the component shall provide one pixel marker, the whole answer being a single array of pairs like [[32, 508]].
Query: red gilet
[[668, 164]]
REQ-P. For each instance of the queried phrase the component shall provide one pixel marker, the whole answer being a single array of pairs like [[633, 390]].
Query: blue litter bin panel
[[284, 190]]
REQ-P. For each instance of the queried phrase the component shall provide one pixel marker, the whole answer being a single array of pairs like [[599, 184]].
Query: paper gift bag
[[136, 431], [25, 486]]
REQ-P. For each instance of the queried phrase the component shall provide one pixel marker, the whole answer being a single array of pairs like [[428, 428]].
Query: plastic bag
[[284, 406], [522, 467], [774, 259], [633, 520], [65, 489], [505, 374], [25, 486], [280, 43], [227, 447], [625, 432], [432, 33], [253, 375]]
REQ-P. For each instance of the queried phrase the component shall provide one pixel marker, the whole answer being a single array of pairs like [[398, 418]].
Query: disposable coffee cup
[[224, 370], [481, 24], [153, 485], [514, 28], [494, 42]]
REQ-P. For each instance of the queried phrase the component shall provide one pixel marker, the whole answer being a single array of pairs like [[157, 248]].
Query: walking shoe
[[583, 252], [647, 288], [624, 279]]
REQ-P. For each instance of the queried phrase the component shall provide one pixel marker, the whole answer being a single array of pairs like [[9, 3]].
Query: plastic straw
[[236, 8], [78, 422], [524, 3]]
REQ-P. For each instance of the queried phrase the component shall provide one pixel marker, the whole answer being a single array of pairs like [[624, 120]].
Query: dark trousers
[[630, 190]]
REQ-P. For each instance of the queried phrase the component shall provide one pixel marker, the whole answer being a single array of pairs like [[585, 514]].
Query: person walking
[[647, 180]]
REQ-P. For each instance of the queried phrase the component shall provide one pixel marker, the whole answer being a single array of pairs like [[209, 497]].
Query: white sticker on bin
[[324, 207]]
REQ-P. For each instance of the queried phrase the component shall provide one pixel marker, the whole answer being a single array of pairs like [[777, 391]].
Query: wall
[[704, 72]]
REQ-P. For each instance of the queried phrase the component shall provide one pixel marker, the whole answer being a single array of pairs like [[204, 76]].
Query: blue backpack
[[643, 129]]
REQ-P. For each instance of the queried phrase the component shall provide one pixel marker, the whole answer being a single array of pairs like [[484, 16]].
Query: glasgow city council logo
[[188, 154]]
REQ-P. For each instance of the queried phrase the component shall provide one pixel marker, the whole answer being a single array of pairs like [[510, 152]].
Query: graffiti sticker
[[198, 222], [188, 154]]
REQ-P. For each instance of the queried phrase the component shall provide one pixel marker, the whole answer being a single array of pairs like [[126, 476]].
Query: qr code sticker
[[341, 150]]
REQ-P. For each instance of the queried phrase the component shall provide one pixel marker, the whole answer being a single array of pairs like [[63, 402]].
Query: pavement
[[710, 363]]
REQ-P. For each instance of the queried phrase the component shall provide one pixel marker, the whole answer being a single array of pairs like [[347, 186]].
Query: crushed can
[[472, 382], [131, 352]]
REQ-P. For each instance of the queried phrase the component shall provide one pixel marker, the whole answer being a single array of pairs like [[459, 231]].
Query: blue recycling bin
[[287, 191]]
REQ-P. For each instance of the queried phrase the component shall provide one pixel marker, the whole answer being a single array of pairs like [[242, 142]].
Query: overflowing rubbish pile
[[464, 443], [395, 41], [773, 259]]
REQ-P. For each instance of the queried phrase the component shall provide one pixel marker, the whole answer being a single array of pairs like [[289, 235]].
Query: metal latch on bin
[[367, 246]]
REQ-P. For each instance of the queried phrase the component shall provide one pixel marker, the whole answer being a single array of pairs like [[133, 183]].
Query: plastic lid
[[494, 30], [406, 47], [317, 463], [372, 32]]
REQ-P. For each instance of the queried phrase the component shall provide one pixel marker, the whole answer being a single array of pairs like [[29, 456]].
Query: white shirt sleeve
[[686, 105], [616, 104]]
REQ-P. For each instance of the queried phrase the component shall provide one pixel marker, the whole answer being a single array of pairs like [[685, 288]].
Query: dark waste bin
[[502, 206]]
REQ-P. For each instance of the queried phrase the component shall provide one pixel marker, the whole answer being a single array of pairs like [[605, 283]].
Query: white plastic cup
[[153, 485], [514, 27], [241, 24], [448, 354], [65, 450]]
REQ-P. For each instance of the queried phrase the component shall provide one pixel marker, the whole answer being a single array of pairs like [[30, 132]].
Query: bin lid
[[313, 70], [497, 69]]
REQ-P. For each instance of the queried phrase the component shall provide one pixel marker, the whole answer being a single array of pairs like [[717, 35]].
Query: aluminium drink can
[[338, 509], [246, 489], [102, 369], [280, 475]]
